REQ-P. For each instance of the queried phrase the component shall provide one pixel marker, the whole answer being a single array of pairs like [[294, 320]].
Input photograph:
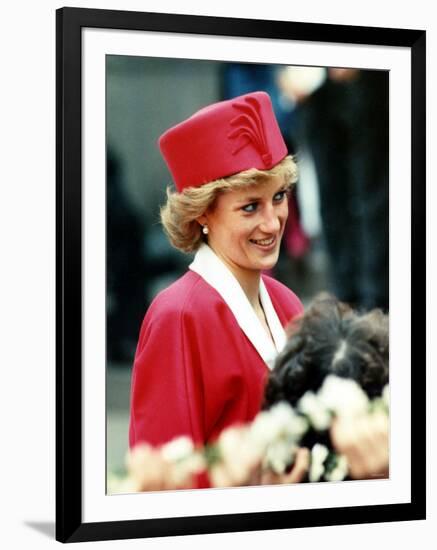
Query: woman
[[207, 342]]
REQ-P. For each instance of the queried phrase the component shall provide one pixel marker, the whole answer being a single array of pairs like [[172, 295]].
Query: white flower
[[319, 454], [185, 461], [272, 424], [290, 424], [177, 449], [280, 454], [315, 410], [277, 423], [231, 442], [340, 470], [343, 396], [181, 472], [282, 414], [262, 430], [239, 455]]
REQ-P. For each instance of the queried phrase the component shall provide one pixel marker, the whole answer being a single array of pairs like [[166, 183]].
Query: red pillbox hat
[[222, 139]]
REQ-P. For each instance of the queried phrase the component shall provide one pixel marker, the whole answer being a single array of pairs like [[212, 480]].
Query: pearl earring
[[205, 230]]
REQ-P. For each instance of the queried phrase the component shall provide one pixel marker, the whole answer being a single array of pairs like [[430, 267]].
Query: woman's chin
[[269, 266], [268, 262]]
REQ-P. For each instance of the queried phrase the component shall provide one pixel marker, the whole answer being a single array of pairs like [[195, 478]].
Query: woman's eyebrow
[[255, 198]]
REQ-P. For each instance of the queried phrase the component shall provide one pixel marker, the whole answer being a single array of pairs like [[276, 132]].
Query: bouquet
[[243, 453]]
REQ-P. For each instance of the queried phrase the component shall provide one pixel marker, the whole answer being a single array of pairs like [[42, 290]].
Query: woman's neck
[[249, 280]]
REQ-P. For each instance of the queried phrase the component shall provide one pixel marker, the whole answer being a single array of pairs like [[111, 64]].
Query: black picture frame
[[69, 24]]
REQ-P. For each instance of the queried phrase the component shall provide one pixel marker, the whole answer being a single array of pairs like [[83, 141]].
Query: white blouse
[[209, 266]]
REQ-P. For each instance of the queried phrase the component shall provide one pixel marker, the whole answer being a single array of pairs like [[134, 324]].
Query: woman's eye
[[250, 207], [279, 196]]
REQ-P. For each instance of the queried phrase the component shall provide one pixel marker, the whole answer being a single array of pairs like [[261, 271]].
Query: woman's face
[[246, 225]]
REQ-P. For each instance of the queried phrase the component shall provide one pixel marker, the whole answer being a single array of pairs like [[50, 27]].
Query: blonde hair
[[179, 214]]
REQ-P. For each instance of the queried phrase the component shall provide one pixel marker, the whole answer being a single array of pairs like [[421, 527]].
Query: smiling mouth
[[264, 242]]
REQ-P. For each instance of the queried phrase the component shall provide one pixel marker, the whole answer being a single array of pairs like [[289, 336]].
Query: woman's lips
[[264, 244]]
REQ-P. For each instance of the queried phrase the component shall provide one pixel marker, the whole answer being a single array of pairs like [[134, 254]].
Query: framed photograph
[[350, 104]]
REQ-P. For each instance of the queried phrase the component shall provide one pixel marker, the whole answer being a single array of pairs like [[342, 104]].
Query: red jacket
[[195, 371]]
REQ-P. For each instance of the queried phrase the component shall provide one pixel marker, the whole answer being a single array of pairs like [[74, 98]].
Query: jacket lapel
[[216, 274]]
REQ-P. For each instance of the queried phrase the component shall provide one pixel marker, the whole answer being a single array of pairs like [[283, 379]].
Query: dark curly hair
[[331, 338]]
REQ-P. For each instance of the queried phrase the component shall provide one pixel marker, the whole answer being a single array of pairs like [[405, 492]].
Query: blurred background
[[334, 120]]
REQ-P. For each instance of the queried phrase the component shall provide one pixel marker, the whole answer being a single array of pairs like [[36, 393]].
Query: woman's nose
[[271, 221]]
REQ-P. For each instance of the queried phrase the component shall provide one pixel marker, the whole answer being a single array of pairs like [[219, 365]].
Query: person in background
[[125, 267], [346, 123]]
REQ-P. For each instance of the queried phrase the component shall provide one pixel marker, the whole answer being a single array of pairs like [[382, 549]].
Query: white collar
[[209, 266]]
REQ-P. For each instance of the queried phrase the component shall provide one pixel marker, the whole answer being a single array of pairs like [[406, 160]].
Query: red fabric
[[296, 241], [195, 371], [223, 139]]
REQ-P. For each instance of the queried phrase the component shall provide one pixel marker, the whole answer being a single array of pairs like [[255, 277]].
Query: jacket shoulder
[[282, 297], [189, 293], [278, 287]]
